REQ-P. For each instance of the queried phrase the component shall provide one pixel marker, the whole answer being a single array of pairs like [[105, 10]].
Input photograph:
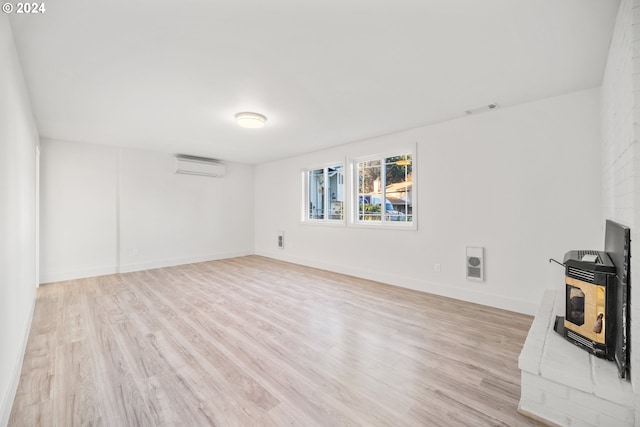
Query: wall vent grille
[[585, 276]]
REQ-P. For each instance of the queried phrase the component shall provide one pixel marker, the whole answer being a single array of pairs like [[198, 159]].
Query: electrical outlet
[[436, 267], [281, 239]]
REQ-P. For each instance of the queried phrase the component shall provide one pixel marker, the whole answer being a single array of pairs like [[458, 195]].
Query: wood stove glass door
[[585, 309], [575, 305]]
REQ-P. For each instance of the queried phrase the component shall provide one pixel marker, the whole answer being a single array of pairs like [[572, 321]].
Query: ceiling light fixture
[[251, 120]]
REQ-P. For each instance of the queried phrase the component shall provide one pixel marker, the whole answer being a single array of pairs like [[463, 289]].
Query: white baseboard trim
[[72, 275], [491, 300], [128, 268], [6, 404]]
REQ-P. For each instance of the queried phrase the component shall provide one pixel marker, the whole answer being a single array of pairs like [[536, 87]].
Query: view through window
[[325, 194], [385, 187]]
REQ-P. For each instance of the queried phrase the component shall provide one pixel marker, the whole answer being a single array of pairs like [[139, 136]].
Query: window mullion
[[383, 189], [325, 194], [305, 196]]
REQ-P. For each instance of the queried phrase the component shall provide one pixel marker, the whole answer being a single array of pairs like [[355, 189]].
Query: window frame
[[326, 220], [353, 198]]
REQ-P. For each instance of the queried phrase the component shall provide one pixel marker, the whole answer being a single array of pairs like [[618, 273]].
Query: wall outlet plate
[[281, 239]]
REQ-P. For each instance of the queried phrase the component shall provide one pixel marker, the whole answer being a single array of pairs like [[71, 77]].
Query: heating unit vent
[[581, 254], [585, 276], [579, 339], [192, 165], [475, 263]]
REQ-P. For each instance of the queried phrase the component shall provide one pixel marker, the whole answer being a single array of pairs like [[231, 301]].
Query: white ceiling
[[169, 76]]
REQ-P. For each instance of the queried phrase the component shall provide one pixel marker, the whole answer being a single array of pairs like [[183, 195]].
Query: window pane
[[335, 187], [369, 191], [398, 188], [316, 194]]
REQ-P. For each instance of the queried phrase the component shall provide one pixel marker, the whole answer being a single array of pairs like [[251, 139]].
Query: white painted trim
[[127, 268], [325, 223], [442, 289], [71, 275], [7, 400], [386, 225], [37, 222], [118, 208]]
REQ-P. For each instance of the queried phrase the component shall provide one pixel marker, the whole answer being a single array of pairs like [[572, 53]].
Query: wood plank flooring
[[256, 342]]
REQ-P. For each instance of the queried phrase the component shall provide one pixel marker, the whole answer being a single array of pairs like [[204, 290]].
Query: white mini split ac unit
[[192, 165]]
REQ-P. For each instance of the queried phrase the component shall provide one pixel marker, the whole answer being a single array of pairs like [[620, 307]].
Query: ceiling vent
[[192, 165], [482, 109]]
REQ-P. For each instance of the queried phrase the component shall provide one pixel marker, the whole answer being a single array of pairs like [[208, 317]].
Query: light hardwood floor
[[256, 342]]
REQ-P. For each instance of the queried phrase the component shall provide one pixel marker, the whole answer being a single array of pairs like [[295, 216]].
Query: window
[[324, 200], [384, 192]]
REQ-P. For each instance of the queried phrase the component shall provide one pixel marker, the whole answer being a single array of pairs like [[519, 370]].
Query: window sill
[[412, 226], [386, 226], [332, 223]]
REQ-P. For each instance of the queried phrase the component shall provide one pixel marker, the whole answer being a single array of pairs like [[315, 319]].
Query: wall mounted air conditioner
[[192, 165]]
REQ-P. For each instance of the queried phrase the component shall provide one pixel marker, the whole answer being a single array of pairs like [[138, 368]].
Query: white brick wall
[[621, 154], [551, 389], [635, 245], [617, 122]]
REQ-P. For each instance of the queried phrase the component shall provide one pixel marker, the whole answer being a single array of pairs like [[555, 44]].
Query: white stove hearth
[[563, 384]]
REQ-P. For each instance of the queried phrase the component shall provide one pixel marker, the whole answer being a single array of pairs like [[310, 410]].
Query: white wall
[[18, 142], [107, 210], [524, 182], [169, 219], [78, 210], [620, 154]]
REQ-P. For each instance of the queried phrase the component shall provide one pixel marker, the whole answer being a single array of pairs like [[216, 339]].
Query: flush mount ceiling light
[[251, 120]]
